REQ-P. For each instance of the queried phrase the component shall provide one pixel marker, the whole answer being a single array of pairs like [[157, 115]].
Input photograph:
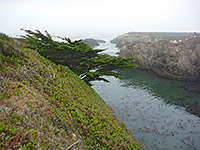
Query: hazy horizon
[[96, 18]]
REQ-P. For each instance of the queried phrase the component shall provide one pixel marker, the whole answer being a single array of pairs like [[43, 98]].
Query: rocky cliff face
[[173, 59], [133, 38]]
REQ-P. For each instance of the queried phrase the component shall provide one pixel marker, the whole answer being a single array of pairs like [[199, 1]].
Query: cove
[[156, 110]]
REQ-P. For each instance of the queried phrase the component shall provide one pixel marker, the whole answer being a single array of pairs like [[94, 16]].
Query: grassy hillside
[[47, 106]]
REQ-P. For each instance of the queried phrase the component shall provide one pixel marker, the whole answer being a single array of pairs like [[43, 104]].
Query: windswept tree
[[84, 60]]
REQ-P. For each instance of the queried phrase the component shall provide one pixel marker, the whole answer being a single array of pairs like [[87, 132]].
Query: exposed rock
[[133, 38], [177, 60], [93, 42], [100, 41]]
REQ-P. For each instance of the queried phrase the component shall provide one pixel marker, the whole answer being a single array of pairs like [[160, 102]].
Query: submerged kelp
[[47, 106]]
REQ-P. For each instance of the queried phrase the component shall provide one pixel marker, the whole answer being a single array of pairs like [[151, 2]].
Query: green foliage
[[6, 133], [82, 59], [10, 47], [46, 102]]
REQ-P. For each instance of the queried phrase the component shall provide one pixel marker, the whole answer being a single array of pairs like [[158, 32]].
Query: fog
[[70, 17]]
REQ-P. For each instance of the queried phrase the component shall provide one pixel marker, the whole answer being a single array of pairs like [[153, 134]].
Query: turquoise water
[[154, 108], [171, 91]]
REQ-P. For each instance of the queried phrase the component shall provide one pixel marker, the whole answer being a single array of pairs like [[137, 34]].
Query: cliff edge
[[175, 59], [133, 38], [47, 106]]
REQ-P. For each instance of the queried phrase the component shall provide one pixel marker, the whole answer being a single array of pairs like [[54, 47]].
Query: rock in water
[[93, 42], [176, 59]]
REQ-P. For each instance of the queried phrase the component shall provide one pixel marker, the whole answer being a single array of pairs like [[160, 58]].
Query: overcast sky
[[62, 17]]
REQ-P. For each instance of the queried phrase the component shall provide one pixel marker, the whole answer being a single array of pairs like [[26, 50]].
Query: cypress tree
[[84, 60]]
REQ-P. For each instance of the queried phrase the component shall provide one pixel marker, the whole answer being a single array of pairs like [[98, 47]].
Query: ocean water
[[156, 109]]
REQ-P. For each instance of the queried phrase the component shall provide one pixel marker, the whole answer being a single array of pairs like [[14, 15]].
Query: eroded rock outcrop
[[133, 38], [173, 59], [93, 42]]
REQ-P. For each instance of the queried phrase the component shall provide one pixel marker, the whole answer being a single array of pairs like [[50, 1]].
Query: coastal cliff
[[133, 38], [175, 59], [47, 106]]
